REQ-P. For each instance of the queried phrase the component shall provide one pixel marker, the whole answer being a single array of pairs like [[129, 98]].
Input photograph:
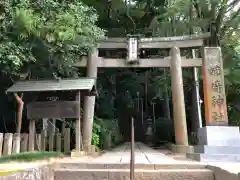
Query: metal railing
[[132, 160]]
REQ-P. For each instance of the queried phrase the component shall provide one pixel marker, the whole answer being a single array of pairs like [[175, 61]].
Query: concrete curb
[[221, 174], [93, 166], [123, 174]]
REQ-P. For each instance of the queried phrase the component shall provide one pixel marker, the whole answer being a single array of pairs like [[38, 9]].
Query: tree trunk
[[19, 112]]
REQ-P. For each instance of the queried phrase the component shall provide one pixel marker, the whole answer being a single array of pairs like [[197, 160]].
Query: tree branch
[[20, 101], [213, 10], [225, 27], [19, 98], [220, 16], [12, 79], [148, 15], [232, 5], [19, 112], [196, 6]]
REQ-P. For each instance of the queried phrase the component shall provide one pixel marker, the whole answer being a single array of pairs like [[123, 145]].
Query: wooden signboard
[[53, 109], [58, 96], [214, 89]]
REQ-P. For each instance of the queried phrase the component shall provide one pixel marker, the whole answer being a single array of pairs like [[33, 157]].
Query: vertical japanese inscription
[[214, 91]]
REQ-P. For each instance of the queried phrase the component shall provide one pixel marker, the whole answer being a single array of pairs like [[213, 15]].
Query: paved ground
[[146, 155], [121, 155], [143, 155]]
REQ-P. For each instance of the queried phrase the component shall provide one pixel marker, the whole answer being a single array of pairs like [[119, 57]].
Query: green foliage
[[169, 18], [225, 14], [30, 156], [193, 139], [96, 133], [50, 35], [95, 139], [105, 133], [163, 129], [204, 13]]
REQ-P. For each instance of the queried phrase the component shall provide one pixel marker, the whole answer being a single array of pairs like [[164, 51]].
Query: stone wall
[[14, 143], [36, 173]]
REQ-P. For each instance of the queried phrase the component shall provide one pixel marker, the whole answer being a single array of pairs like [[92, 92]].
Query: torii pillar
[[179, 114], [89, 102]]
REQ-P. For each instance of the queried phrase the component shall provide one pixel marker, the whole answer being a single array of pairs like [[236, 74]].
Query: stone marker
[[67, 140], [58, 142], [24, 142], [75, 153], [32, 134], [1, 143], [43, 141], [51, 142], [16, 143], [7, 145], [38, 142]]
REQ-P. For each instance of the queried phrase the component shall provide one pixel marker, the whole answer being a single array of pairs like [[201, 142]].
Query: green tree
[[170, 18], [42, 39]]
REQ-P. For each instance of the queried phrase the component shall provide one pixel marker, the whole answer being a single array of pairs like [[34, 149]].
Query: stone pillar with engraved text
[[216, 141], [214, 91]]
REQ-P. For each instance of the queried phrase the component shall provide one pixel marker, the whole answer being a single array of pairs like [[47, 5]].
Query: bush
[[106, 133], [163, 130], [30, 156]]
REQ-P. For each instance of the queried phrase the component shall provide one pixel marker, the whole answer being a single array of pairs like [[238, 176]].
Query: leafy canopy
[[48, 35]]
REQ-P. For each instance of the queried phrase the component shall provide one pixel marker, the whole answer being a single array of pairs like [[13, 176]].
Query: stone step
[[218, 141], [123, 174], [217, 149], [214, 157], [219, 136], [127, 166]]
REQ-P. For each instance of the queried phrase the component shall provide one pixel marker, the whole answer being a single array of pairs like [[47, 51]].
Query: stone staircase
[[83, 171]]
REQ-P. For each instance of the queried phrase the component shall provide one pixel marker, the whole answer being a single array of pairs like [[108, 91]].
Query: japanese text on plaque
[[217, 88]]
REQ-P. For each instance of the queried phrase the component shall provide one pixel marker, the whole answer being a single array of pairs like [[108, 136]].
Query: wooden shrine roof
[[52, 85]]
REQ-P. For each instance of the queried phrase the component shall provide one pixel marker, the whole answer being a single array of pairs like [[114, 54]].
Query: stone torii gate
[[210, 61]]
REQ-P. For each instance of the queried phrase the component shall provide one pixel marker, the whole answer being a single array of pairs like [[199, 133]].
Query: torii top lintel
[[195, 40], [133, 45]]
